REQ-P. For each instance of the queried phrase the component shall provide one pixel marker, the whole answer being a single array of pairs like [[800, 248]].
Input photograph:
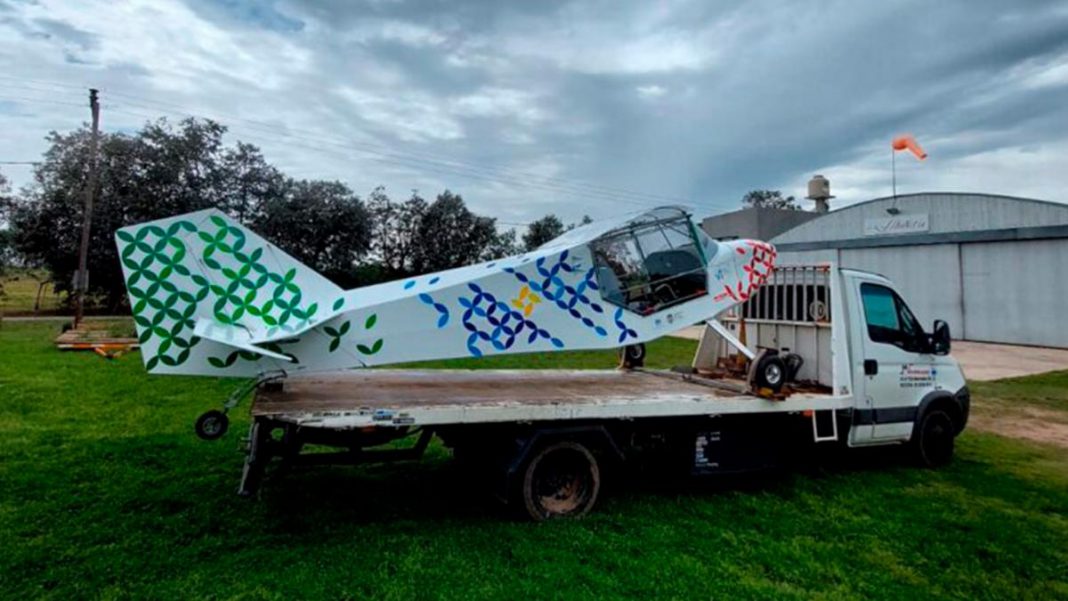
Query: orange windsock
[[907, 142]]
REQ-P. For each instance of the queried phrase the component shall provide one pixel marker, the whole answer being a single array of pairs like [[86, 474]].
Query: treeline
[[166, 169]]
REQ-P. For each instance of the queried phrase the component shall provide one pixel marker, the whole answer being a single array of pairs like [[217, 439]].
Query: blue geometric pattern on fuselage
[[504, 324], [569, 296]]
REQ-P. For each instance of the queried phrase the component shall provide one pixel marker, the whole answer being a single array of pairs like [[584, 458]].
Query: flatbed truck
[[859, 371]]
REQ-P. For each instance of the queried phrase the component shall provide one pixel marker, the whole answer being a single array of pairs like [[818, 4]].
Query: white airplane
[[211, 298]]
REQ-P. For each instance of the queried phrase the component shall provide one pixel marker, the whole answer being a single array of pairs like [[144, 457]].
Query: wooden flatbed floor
[[391, 388], [363, 398]]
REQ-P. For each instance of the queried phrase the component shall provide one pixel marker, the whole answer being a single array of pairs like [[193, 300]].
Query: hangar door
[[927, 276], [1016, 292]]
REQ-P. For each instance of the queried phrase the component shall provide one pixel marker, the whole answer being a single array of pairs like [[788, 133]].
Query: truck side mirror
[[940, 338]]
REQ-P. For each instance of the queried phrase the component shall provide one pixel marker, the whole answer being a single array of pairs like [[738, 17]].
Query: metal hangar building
[[994, 267]]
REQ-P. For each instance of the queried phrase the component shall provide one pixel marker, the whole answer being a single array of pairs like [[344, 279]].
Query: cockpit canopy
[[654, 262]]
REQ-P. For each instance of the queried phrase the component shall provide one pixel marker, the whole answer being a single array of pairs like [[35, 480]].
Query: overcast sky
[[572, 108]]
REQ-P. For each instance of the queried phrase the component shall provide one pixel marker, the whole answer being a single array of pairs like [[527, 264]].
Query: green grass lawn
[[1045, 391], [106, 493]]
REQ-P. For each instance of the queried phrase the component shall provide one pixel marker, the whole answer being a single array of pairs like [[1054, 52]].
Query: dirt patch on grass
[[1027, 423]]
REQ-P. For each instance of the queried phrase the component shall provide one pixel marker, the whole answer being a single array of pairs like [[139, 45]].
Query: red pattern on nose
[[757, 270]]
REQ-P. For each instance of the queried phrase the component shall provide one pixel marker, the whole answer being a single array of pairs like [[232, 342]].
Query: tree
[[321, 224], [769, 199], [449, 235], [46, 222], [160, 171], [7, 248], [394, 232], [504, 244], [547, 228], [248, 181], [541, 231]]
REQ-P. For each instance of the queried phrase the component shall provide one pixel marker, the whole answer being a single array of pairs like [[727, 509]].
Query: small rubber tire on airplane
[[633, 355], [559, 480], [934, 439], [212, 425], [770, 373]]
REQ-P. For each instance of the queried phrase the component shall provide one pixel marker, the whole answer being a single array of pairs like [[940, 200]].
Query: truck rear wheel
[[933, 445], [560, 480]]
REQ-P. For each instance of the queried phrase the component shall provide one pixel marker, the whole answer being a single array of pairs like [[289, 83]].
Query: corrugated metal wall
[[1012, 292], [1016, 291], [927, 276]]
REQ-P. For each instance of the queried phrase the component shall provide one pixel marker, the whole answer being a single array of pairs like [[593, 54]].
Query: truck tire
[[559, 480], [933, 445]]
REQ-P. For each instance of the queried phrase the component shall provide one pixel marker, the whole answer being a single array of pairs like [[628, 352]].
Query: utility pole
[[81, 278]]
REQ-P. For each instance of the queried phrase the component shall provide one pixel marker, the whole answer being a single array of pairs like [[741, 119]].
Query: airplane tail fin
[[203, 275]]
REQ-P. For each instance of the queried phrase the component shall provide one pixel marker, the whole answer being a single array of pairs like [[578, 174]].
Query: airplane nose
[[753, 261]]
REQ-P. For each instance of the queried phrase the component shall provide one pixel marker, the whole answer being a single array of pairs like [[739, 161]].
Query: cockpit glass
[[650, 265]]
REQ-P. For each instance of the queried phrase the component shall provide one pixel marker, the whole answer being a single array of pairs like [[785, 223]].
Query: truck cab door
[[897, 367]]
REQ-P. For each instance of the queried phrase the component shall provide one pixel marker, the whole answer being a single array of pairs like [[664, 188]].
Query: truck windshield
[[650, 266]]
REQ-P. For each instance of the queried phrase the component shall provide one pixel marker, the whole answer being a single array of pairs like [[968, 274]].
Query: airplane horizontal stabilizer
[[233, 336]]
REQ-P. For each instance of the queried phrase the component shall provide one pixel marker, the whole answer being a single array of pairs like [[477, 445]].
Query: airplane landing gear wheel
[[632, 355], [212, 425], [769, 372]]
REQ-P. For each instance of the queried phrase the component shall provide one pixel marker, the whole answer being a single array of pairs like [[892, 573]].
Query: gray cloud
[[66, 33]]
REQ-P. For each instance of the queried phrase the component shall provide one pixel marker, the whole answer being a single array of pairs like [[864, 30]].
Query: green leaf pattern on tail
[[156, 257]]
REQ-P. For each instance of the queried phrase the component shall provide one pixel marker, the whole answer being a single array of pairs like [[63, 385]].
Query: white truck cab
[[857, 339], [899, 369]]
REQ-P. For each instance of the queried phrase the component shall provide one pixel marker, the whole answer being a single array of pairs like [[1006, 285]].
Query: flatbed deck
[[361, 398]]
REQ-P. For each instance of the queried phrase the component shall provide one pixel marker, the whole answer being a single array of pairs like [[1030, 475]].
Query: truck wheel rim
[[563, 483]]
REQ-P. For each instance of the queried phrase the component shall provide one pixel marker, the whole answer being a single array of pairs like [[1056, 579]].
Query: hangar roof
[[927, 218]]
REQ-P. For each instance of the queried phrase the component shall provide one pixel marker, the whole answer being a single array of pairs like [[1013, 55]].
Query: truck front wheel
[[559, 480], [933, 445]]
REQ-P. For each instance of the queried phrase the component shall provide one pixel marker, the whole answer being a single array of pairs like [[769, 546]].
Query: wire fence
[[30, 293]]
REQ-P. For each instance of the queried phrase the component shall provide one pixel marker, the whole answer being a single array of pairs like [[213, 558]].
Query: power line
[[31, 86], [420, 156], [508, 176], [317, 144], [515, 177], [44, 82], [437, 166], [381, 153], [24, 99]]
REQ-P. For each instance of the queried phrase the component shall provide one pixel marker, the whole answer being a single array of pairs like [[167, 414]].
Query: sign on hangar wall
[[898, 224]]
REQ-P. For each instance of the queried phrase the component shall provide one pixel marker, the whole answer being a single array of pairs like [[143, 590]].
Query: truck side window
[[889, 319]]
